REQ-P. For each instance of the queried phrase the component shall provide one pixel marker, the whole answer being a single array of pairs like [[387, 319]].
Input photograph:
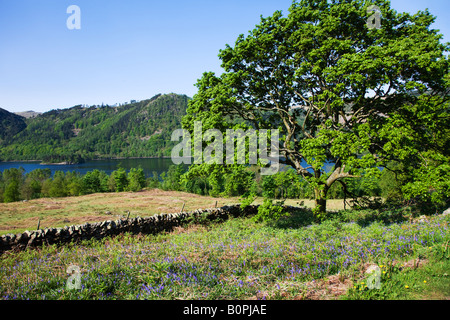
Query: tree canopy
[[339, 92]]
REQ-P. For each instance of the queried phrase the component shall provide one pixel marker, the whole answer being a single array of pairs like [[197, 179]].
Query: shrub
[[247, 200], [136, 179], [270, 211], [12, 193], [120, 179]]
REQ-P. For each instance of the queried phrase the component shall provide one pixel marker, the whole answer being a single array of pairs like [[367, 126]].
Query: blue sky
[[127, 49]]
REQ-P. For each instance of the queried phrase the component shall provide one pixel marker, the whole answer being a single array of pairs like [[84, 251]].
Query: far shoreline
[[97, 159]]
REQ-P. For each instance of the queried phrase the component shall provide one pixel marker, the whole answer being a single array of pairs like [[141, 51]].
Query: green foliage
[[32, 185], [10, 124], [172, 179], [270, 211], [365, 186], [198, 185], [136, 178], [15, 185], [75, 187], [92, 182], [11, 193], [339, 93], [319, 214], [239, 182], [58, 185], [286, 184], [10, 182], [391, 181], [418, 141], [430, 181], [46, 185], [31, 189], [120, 179], [268, 187], [153, 181], [218, 180], [247, 200]]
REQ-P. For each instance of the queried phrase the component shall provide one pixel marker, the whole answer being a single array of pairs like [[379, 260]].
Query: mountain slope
[[10, 125], [140, 129]]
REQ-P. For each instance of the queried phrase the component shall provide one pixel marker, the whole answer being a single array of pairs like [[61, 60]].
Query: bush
[[172, 179], [247, 200], [12, 193], [136, 178], [91, 182], [391, 182], [58, 187], [153, 181], [120, 180], [239, 181], [270, 211]]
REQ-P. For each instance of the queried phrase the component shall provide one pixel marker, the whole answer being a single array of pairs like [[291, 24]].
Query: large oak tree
[[338, 91]]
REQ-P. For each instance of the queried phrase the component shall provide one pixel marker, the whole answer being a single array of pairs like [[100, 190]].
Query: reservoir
[[149, 165]]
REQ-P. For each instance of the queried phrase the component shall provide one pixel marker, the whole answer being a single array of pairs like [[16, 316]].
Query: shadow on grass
[[301, 217], [374, 211], [363, 217]]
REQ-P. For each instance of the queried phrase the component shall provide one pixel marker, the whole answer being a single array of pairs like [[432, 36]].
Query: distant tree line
[[16, 185], [285, 184]]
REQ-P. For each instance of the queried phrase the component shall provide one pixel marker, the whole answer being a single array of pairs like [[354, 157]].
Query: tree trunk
[[321, 193], [321, 205], [321, 200]]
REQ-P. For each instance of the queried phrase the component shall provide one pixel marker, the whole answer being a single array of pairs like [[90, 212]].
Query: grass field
[[58, 212], [294, 258]]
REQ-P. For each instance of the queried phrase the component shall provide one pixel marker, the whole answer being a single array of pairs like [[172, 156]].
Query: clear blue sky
[[127, 49]]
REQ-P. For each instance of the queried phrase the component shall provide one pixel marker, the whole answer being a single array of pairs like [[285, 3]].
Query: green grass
[[399, 282], [294, 258]]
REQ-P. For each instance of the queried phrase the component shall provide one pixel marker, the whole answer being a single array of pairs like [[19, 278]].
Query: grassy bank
[[243, 259]]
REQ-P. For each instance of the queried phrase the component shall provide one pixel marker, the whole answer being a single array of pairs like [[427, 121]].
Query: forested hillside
[[10, 124], [140, 129]]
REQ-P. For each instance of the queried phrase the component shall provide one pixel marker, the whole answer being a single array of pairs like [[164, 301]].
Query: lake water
[[149, 165]]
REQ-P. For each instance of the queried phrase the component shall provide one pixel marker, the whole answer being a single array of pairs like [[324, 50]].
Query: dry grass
[[58, 212]]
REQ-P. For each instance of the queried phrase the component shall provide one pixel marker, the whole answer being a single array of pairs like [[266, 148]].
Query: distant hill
[[10, 125], [28, 114], [138, 129]]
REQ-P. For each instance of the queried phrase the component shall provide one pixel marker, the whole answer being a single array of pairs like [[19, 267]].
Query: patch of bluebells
[[236, 259]]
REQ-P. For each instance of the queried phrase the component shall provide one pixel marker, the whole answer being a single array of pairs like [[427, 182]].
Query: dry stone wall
[[146, 225]]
